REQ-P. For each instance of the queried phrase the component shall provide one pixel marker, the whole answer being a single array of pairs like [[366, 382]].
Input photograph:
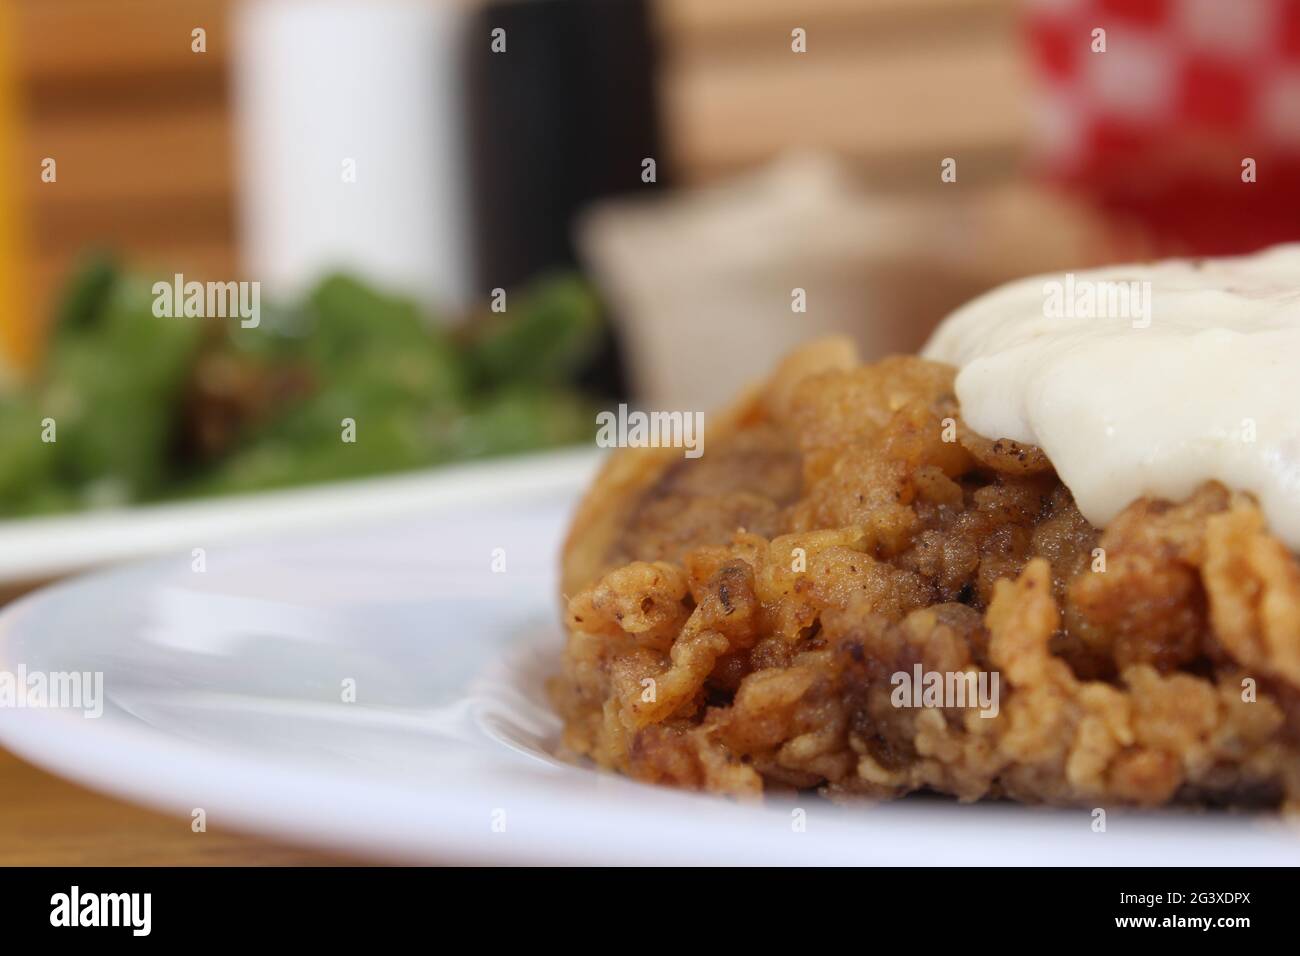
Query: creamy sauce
[[1144, 379]]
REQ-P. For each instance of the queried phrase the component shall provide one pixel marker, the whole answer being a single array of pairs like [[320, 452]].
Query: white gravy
[[1144, 379]]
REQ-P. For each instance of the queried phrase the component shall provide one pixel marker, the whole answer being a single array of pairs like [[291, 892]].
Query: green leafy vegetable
[[148, 407]]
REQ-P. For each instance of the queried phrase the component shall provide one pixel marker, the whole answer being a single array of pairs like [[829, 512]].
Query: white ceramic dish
[[37, 549], [224, 691]]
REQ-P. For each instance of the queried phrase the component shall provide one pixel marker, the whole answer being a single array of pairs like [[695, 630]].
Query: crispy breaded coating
[[738, 623]]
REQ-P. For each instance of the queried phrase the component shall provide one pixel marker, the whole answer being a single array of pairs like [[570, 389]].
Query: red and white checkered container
[[1155, 107]]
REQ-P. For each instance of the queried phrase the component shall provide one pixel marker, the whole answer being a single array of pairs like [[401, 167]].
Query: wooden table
[[46, 821]]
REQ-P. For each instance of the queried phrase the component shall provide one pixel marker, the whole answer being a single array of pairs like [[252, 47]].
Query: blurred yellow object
[[16, 327]]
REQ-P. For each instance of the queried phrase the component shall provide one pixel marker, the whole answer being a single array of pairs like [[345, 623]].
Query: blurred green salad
[[142, 408]]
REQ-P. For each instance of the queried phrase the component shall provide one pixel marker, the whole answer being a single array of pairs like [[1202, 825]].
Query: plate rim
[[52, 546]]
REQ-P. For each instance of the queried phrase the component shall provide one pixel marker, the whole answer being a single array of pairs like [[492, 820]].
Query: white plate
[[42, 548], [223, 692]]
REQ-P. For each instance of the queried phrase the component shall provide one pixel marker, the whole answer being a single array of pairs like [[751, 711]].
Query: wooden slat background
[[893, 85], [140, 125]]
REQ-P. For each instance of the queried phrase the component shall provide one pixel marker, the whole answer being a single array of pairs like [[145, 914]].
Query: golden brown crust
[[738, 623], [626, 477], [607, 510], [603, 511]]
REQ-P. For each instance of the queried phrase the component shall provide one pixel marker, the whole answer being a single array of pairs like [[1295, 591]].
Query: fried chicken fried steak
[[737, 623]]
